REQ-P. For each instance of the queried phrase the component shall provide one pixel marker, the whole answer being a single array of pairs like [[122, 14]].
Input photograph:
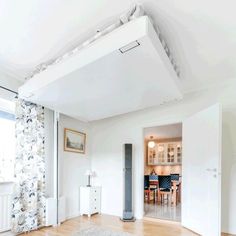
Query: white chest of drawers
[[90, 200]]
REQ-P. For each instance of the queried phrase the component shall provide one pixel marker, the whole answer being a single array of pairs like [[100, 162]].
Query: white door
[[201, 187]]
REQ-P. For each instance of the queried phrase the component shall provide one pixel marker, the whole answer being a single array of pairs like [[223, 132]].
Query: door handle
[[211, 170]]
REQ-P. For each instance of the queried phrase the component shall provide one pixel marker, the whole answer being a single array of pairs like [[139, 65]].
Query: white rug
[[99, 231]]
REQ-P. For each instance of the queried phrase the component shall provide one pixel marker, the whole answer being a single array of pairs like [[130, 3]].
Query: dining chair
[[146, 182], [165, 189], [146, 188], [149, 189], [153, 185], [176, 177], [153, 178]]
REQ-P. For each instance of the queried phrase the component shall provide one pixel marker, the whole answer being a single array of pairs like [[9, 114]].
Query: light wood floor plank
[[139, 227]]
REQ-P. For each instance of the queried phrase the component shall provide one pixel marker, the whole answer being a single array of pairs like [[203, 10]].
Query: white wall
[[110, 134], [72, 166]]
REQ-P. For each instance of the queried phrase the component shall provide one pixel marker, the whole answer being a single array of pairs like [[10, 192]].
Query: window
[[7, 146]]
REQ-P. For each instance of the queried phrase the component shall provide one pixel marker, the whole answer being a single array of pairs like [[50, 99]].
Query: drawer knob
[[95, 199]]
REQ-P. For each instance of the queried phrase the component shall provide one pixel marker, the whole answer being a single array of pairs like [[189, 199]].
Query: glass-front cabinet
[[161, 153], [179, 152], [166, 153], [171, 152]]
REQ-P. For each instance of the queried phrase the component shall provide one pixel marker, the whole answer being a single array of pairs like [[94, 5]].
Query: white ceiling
[[164, 132], [202, 34]]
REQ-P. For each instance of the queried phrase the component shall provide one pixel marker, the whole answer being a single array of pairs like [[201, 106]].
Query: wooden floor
[[139, 227]]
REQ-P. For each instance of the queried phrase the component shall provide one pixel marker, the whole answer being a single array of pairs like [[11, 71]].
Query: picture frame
[[74, 141]]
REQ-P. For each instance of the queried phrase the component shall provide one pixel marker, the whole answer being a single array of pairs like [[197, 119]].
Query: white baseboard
[[77, 214]]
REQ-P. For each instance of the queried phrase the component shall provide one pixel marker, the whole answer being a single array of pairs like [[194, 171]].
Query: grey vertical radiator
[[128, 197]]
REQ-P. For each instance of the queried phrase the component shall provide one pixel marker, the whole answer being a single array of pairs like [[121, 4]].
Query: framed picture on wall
[[74, 141]]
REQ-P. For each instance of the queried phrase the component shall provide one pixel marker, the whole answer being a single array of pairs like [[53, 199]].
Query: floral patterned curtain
[[28, 211]]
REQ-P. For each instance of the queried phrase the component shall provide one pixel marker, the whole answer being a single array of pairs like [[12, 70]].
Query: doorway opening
[[163, 172]]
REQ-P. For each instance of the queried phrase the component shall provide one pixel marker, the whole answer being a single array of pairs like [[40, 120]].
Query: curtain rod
[[9, 90]]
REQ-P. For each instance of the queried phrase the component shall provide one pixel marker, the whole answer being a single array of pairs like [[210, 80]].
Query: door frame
[[156, 124]]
